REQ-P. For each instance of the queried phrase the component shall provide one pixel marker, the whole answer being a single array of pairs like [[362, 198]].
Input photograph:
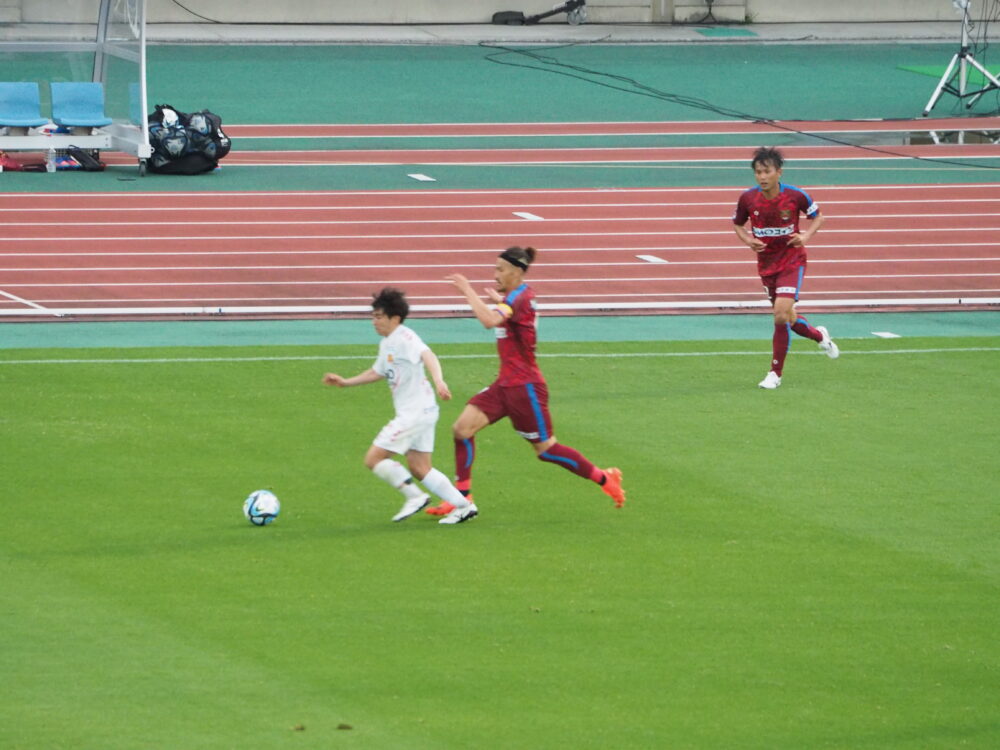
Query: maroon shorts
[[787, 283], [526, 405]]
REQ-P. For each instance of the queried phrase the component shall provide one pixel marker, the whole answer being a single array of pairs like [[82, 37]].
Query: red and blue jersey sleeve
[[806, 205], [742, 212], [517, 338]]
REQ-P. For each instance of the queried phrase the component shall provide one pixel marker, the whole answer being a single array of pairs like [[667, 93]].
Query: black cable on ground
[[550, 64]]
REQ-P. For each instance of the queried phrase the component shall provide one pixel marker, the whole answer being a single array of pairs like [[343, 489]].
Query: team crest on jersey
[[389, 358], [785, 214]]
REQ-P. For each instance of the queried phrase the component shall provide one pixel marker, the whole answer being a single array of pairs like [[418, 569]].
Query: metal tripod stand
[[962, 59]]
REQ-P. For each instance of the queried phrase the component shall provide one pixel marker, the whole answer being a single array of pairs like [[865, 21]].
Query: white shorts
[[403, 435]]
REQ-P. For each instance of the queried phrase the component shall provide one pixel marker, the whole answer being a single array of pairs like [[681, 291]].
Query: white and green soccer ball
[[261, 508]]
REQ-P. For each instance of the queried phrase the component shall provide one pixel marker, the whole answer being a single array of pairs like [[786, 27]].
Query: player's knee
[[418, 469], [373, 457], [543, 446], [783, 315], [462, 430]]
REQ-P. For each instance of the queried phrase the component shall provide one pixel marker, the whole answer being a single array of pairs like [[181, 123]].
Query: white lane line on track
[[719, 297], [646, 260], [491, 250], [523, 215], [510, 234], [474, 206], [537, 282], [34, 198]]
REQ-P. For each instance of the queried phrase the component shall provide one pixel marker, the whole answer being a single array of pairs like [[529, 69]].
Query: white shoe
[[770, 381], [411, 506], [827, 345], [461, 515]]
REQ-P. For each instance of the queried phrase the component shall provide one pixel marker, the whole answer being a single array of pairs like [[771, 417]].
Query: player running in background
[[402, 357], [772, 210], [519, 392]]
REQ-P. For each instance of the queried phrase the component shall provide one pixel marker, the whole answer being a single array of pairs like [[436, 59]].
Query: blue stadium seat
[[20, 105], [78, 105]]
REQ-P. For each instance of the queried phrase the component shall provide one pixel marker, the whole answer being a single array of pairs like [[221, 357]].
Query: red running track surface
[[601, 250]]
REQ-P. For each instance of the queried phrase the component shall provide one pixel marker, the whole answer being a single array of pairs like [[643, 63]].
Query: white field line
[[522, 216], [561, 355], [410, 267], [510, 234], [576, 306], [938, 188]]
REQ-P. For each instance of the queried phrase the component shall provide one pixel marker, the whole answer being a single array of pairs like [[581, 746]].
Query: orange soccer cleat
[[442, 509], [613, 486]]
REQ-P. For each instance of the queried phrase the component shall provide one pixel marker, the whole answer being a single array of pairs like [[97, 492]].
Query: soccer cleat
[[460, 515], [827, 345], [613, 486], [770, 381], [411, 506], [441, 509]]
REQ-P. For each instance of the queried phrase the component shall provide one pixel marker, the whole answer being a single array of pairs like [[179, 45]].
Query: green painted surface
[[484, 176], [725, 31], [466, 330], [426, 84]]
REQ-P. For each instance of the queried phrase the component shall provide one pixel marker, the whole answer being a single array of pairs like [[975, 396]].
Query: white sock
[[396, 475], [441, 486]]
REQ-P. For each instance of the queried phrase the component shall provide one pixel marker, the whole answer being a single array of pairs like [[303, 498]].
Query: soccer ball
[[198, 123], [261, 508]]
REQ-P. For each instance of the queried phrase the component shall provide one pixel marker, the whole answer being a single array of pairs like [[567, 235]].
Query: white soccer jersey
[[400, 364]]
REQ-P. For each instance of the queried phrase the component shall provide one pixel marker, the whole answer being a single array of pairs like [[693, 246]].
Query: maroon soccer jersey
[[772, 222], [516, 338]]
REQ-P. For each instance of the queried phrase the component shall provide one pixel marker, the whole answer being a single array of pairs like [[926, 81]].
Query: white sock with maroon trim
[[395, 474], [441, 486]]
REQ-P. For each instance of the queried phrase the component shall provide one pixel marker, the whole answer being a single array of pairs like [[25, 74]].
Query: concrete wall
[[10, 11], [481, 11], [804, 11]]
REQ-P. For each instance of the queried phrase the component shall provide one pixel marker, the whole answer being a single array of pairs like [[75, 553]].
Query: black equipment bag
[[509, 18], [186, 143], [87, 161]]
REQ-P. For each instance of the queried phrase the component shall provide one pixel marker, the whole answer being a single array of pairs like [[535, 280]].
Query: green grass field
[[816, 567]]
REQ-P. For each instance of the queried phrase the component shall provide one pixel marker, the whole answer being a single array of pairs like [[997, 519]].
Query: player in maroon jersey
[[772, 210], [519, 392]]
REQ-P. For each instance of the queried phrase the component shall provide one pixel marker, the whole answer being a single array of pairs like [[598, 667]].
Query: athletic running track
[[601, 250]]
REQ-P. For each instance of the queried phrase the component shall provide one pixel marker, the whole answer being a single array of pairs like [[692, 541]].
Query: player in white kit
[[402, 357]]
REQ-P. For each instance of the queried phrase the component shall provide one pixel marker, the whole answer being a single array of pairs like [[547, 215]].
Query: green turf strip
[[751, 326], [725, 31], [817, 564], [975, 78]]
